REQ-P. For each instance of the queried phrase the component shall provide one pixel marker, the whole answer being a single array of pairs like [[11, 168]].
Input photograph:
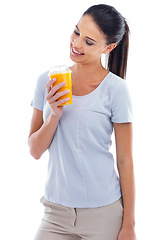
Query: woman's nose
[[77, 43]]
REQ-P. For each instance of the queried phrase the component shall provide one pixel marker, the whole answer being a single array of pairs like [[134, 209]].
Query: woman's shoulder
[[115, 80], [40, 91], [117, 85], [43, 79]]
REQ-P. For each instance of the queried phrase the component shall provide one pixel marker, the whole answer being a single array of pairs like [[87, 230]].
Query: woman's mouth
[[76, 52]]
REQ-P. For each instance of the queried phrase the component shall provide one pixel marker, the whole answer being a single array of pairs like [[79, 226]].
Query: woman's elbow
[[33, 151], [35, 156]]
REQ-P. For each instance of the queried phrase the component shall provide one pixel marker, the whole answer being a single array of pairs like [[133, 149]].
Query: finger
[[57, 96], [54, 90], [60, 94], [49, 84], [62, 101]]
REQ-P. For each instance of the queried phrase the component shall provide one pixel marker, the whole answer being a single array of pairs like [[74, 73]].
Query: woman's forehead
[[88, 27]]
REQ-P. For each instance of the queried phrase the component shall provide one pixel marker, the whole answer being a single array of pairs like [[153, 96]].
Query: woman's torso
[[81, 168]]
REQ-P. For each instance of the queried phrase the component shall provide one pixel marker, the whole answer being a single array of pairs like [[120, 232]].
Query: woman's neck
[[87, 73]]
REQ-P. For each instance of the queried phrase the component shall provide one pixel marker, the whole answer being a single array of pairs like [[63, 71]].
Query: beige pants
[[65, 223]]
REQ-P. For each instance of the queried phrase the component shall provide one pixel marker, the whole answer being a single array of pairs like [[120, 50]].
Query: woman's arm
[[41, 133], [123, 138]]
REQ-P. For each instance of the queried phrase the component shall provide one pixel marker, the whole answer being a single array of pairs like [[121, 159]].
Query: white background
[[35, 36]]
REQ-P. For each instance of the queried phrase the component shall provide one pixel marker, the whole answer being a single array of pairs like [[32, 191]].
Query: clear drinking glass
[[62, 74]]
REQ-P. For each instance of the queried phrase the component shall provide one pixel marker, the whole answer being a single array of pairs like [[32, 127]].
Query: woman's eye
[[77, 33], [89, 43]]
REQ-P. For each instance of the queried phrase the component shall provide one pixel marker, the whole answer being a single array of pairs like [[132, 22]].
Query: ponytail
[[117, 59], [116, 30]]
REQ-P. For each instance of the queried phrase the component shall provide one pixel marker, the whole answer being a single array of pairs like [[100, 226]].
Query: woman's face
[[87, 42]]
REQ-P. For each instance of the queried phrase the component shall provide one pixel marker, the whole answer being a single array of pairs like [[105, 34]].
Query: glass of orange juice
[[62, 74]]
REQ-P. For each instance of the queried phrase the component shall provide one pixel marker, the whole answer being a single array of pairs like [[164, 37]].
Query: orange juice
[[62, 76]]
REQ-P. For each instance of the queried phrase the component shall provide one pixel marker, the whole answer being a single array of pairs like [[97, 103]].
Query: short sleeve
[[39, 92], [121, 108]]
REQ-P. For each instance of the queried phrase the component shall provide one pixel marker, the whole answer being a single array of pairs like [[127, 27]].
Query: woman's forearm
[[126, 173], [40, 140]]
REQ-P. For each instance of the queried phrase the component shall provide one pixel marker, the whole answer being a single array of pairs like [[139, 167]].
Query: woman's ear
[[109, 48]]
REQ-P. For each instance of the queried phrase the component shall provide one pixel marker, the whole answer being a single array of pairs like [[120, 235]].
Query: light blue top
[[81, 170]]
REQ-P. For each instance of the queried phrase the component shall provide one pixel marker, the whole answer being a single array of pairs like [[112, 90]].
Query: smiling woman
[[84, 197], [87, 41]]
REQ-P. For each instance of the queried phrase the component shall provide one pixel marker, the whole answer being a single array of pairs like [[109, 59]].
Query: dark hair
[[116, 30]]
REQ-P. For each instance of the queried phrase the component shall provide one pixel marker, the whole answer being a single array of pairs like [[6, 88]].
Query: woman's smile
[[75, 52]]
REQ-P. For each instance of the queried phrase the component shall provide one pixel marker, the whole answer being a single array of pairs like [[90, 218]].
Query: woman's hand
[[127, 234], [52, 98]]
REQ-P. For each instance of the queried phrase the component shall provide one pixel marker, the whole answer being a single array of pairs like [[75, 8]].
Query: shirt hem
[[89, 204]]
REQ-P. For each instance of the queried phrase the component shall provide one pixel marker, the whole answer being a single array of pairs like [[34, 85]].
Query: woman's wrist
[[53, 117], [129, 225]]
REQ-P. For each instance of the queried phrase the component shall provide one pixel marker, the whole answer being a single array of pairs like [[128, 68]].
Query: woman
[[84, 197]]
